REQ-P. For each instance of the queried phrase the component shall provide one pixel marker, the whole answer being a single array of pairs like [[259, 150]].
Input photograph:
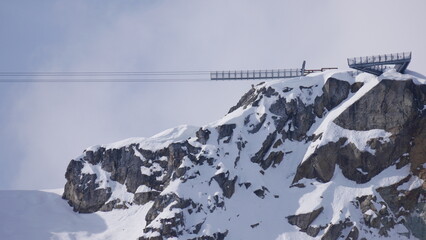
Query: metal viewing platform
[[378, 64]]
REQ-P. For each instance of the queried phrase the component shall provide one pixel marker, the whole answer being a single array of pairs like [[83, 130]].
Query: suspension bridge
[[376, 65]]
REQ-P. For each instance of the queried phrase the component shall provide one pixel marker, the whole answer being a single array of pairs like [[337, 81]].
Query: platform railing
[[385, 58]]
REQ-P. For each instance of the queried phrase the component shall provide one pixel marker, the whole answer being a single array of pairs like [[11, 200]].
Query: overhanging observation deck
[[378, 64]]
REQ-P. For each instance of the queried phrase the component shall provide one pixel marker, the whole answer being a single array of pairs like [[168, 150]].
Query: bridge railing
[[385, 58], [255, 74]]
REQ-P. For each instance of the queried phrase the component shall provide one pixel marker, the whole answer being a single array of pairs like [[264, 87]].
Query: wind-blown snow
[[158, 141], [392, 74]]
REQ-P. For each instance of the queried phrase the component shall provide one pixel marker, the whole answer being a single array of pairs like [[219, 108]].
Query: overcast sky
[[45, 125]]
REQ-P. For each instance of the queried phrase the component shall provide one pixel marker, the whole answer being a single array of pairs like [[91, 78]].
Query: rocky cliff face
[[327, 156]]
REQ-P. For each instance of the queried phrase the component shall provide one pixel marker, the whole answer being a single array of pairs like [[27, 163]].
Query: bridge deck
[[256, 74]]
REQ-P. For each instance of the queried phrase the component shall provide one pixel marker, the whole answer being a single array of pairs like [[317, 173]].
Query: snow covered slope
[[44, 214], [317, 157]]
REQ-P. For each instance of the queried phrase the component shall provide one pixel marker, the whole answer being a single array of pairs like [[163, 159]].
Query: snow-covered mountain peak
[[321, 156]]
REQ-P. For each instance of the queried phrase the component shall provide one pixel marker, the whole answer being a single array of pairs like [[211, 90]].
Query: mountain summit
[[326, 156]]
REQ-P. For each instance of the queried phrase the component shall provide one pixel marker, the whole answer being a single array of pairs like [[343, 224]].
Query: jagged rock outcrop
[[408, 204], [82, 191], [303, 221], [398, 111], [238, 177], [335, 91]]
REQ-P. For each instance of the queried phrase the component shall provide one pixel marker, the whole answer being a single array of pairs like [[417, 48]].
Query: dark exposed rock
[[144, 197], [81, 190], [367, 207], [397, 113], [418, 142], [287, 89], [298, 185], [356, 86], [202, 135], [303, 221], [278, 108], [266, 145], [313, 231], [335, 230], [334, 92], [197, 227], [405, 203], [398, 104], [278, 143], [300, 117], [245, 100], [353, 234], [274, 158], [227, 185], [214, 236], [258, 125], [321, 164], [349, 158], [294, 118], [160, 203], [268, 92], [123, 165], [225, 130], [170, 227], [253, 97], [180, 172], [246, 184], [254, 225], [109, 205], [261, 192]]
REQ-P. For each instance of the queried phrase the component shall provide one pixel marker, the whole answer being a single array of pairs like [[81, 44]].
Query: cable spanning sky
[[46, 124]]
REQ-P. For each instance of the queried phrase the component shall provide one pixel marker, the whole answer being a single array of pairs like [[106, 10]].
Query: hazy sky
[[45, 125]]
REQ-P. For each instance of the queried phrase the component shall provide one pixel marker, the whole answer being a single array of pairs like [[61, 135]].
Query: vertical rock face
[[391, 105], [347, 156], [82, 191], [394, 106]]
